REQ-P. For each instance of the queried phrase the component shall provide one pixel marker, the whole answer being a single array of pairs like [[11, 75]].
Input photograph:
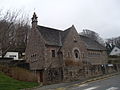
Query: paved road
[[111, 83]]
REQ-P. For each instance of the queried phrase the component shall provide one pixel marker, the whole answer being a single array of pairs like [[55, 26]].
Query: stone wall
[[73, 73], [53, 62], [78, 73], [53, 75], [97, 57], [72, 43], [35, 50]]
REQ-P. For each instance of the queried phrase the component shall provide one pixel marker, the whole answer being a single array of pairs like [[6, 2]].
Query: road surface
[[111, 83]]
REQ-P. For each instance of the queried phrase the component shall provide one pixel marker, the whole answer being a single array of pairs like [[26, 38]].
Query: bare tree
[[113, 41], [93, 35], [13, 30]]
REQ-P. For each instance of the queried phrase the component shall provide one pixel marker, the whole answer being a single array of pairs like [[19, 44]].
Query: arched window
[[76, 53]]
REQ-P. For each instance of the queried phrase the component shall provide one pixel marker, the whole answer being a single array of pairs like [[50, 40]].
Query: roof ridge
[[53, 36], [50, 28]]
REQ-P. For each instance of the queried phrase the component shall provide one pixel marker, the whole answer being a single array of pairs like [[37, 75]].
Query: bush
[[72, 63]]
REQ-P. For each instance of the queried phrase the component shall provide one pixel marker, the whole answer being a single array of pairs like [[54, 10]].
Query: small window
[[53, 53], [12, 56], [115, 50], [76, 55]]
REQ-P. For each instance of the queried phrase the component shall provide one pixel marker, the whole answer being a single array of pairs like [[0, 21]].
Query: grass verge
[[8, 83]]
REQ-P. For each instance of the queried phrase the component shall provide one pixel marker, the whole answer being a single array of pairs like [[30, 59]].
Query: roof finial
[[34, 20]]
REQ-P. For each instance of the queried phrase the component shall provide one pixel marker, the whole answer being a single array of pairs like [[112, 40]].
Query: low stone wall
[[70, 73], [53, 75], [73, 73], [78, 73]]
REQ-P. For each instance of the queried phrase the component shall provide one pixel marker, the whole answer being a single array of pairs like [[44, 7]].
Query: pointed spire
[[34, 20]]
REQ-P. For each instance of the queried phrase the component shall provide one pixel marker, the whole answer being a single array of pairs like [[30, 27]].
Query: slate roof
[[92, 44], [53, 36]]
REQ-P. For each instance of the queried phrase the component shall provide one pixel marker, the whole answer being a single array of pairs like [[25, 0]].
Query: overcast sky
[[101, 16]]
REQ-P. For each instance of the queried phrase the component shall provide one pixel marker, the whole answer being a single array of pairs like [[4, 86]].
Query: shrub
[[73, 63]]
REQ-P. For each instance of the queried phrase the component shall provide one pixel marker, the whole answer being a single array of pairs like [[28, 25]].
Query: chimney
[[34, 20]]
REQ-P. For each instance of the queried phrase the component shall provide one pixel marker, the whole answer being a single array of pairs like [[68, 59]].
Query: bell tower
[[34, 20]]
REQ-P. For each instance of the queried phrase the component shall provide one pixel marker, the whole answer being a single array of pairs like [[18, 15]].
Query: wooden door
[[41, 76]]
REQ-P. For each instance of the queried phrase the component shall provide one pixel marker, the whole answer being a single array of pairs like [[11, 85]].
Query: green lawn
[[8, 83]]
